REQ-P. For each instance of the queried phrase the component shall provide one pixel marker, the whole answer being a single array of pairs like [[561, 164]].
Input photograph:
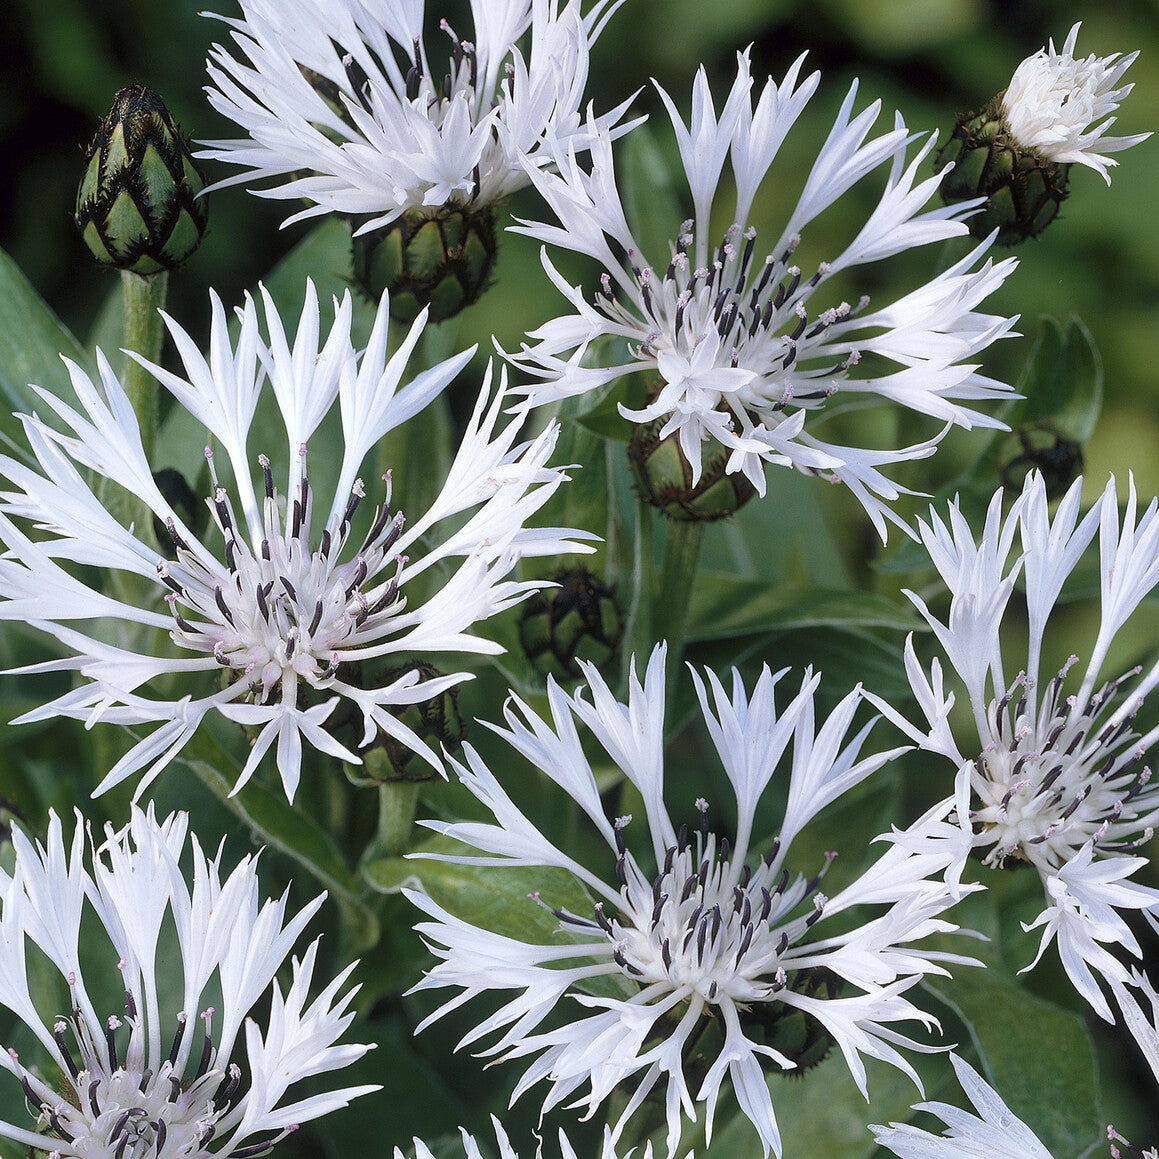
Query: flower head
[[707, 958], [1053, 773], [1054, 101], [296, 605], [740, 350], [343, 102], [148, 1077]]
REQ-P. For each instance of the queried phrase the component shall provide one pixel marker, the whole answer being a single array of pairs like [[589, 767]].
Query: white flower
[[699, 939], [1054, 101], [1052, 773], [741, 350], [163, 1074], [997, 1134], [293, 608], [341, 100], [506, 1151]]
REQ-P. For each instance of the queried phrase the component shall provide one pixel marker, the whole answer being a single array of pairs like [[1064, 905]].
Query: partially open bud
[[1017, 152], [578, 620], [137, 207], [664, 478], [1023, 189], [441, 258]]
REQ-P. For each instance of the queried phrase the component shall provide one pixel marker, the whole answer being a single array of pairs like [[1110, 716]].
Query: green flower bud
[[664, 478], [1023, 188], [789, 1029], [442, 259], [137, 207], [1040, 447], [578, 620], [437, 721]]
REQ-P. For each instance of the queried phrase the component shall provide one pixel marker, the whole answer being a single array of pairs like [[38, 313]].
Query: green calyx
[[442, 259], [664, 478], [137, 206], [578, 620], [436, 721], [1023, 189]]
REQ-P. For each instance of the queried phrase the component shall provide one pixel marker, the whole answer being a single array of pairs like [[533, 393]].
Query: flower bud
[[436, 721], [137, 207], [664, 478], [578, 620], [1023, 188], [442, 259], [1044, 448]]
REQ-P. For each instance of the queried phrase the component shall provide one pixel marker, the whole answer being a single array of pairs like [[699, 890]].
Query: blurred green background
[[61, 62]]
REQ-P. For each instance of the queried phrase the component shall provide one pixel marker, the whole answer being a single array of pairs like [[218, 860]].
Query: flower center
[[706, 923], [286, 610], [1051, 780], [758, 315], [124, 1109]]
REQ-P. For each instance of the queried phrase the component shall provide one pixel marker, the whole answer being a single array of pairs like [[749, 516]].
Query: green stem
[[682, 543], [143, 297], [397, 801], [638, 634]]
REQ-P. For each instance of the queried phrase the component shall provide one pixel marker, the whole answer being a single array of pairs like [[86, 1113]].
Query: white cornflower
[[1054, 101], [997, 1134], [341, 100], [1053, 773], [706, 944], [293, 609], [146, 1079], [472, 1150], [741, 350]]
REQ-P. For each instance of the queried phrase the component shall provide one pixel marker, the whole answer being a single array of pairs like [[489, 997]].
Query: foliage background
[[61, 62]]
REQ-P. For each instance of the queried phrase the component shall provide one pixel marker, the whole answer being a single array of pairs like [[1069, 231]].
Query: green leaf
[[1037, 1056], [725, 606], [501, 899], [32, 339], [1062, 380]]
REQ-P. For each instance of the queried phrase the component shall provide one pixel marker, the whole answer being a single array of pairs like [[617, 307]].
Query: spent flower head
[[342, 101], [1053, 772], [295, 604], [151, 1076], [709, 959], [740, 351]]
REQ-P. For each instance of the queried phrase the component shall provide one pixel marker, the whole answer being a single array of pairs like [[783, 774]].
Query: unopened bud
[[137, 207]]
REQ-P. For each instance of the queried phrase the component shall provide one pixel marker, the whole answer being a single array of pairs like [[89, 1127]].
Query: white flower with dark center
[[342, 102], [741, 349], [293, 605], [994, 1133], [148, 1079], [1054, 772], [709, 957], [1056, 105]]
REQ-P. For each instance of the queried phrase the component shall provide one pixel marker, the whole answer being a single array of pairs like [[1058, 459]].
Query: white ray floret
[[1053, 773], [995, 1132], [290, 607], [149, 1078], [341, 102], [699, 938], [740, 350]]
